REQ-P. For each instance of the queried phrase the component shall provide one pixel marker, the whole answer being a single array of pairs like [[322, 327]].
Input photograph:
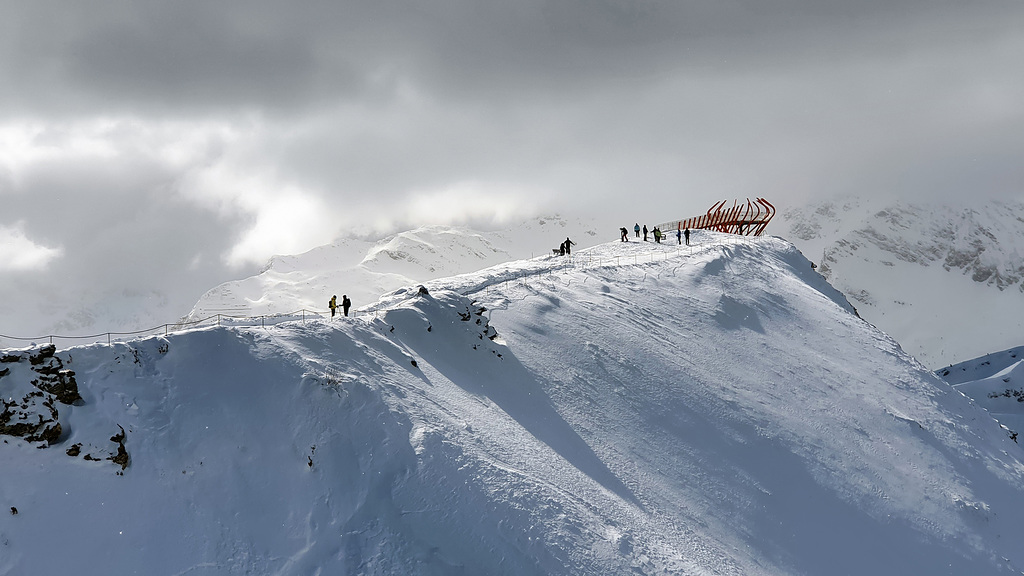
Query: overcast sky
[[180, 144]]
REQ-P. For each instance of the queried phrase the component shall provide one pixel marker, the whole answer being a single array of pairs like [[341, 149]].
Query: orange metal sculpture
[[748, 219]]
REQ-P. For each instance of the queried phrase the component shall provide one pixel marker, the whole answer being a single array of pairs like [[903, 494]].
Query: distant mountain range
[[945, 280]]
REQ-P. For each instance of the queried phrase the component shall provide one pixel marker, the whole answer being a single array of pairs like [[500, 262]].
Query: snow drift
[[636, 408]]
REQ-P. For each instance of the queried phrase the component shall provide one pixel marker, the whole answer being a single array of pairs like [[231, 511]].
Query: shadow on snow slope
[[449, 347]]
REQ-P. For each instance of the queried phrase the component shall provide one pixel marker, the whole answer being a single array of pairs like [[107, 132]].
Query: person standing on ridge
[[333, 305], [636, 228], [624, 234], [679, 236], [568, 246], [657, 235], [686, 234], [645, 232], [345, 303]]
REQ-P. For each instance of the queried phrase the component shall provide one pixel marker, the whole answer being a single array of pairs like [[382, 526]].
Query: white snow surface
[[996, 382], [641, 408], [945, 279], [365, 269]]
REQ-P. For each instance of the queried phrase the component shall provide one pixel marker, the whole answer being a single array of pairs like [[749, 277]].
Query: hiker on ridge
[[636, 228], [645, 232], [624, 234], [568, 245], [345, 303], [333, 305]]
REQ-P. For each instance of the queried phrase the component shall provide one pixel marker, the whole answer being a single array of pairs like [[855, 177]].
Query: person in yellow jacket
[[333, 305]]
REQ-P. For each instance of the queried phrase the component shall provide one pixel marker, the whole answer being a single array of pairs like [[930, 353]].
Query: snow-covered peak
[[635, 408], [364, 269], [433, 251]]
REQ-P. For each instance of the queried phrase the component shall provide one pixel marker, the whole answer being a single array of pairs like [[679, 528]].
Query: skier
[[345, 303], [636, 228], [568, 245], [645, 232], [624, 234], [333, 305], [686, 233]]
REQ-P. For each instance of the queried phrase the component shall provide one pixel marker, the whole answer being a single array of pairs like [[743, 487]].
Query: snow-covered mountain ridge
[[637, 408], [996, 382], [931, 275], [365, 269]]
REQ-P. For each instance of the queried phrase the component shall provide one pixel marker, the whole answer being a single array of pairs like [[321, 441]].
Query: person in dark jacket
[[645, 232], [345, 303], [624, 234], [636, 228], [686, 234], [568, 245]]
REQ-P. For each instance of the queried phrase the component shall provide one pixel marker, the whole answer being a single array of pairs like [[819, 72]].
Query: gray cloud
[[196, 134]]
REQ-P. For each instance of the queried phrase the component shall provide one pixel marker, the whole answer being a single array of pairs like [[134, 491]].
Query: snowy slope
[[931, 275], [637, 408], [996, 382], [366, 269]]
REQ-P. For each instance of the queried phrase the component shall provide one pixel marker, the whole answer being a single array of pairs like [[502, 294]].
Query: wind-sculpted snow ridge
[[636, 408]]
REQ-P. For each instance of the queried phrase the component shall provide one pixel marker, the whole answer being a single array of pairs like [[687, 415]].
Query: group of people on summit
[[565, 248], [658, 234]]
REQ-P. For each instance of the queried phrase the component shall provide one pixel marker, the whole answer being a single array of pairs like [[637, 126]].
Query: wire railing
[[219, 319]]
